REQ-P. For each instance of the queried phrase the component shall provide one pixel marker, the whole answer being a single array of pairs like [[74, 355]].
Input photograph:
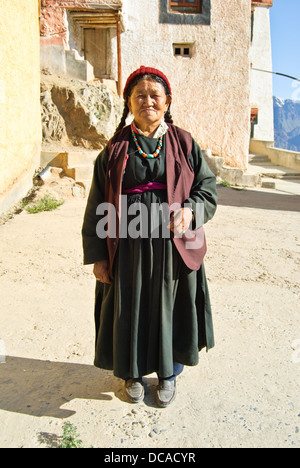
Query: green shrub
[[47, 203], [70, 438]]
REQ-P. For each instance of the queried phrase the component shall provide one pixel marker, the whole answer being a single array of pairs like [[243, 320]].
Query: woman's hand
[[101, 272], [180, 221]]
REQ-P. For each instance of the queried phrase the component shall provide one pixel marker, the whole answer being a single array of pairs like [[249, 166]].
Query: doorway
[[96, 50]]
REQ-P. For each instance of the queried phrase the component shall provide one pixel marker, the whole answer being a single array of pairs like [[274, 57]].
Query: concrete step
[[79, 173], [265, 168], [78, 165], [274, 177], [290, 186], [281, 175], [268, 184], [81, 158], [48, 158], [77, 67], [258, 159], [70, 159]]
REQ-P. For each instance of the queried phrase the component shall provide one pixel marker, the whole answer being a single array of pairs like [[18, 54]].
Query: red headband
[[146, 71]]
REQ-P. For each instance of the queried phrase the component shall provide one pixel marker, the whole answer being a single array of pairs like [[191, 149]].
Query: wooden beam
[[268, 3], [120, 86]]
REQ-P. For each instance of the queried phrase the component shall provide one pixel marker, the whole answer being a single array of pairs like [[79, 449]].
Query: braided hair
[[133, 83]]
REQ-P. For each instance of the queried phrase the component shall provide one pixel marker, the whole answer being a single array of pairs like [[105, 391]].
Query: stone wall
[[52, 20]]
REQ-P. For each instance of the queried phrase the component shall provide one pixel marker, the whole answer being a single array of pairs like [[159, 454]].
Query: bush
[[70, 438], [47, 203]]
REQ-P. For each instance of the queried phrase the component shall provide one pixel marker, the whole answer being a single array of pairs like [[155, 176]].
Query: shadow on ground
[[258, 199], [41, 388]]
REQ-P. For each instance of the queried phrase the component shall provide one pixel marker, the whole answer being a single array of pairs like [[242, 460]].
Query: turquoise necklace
[[142, 153]]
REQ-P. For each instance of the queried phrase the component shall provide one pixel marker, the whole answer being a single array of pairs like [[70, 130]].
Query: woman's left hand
[[180, 221], [101, 272]]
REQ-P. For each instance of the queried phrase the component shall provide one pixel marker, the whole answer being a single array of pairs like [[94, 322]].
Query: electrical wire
[[276, 73]]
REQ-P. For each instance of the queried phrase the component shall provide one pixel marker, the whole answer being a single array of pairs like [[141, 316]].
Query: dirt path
[[244, 393]]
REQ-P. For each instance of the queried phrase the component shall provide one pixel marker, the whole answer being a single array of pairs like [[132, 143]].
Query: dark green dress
[[156, 311]]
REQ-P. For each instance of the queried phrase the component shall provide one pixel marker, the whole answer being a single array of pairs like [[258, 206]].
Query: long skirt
[[156, 311]]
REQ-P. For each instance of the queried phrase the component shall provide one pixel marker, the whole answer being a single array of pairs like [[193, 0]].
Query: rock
[[78, 191], [53, 125], [78, 113], [57, 171]]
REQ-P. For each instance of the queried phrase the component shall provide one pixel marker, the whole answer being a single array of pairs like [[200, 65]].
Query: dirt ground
[[244, 392]]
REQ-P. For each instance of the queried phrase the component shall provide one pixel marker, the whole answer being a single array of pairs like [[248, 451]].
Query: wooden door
[[95, 49]]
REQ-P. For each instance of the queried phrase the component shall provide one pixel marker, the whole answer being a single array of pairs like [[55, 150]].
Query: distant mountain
[[287, 124]]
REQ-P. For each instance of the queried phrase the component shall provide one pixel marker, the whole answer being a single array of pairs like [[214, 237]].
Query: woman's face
[[148, 103]]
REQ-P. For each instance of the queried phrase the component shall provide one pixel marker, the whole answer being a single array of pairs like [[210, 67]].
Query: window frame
[[174, 17], [185, 4], [183, 46]]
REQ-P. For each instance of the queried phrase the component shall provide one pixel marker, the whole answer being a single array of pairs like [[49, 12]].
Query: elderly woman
[[152, 309]]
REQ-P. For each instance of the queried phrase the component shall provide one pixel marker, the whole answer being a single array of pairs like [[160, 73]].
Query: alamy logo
[[140, 221]]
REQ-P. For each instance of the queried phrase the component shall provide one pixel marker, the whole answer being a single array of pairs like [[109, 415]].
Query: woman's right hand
[[101, 272]]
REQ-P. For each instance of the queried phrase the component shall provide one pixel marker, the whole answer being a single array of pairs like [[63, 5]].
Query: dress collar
[[162, 130]]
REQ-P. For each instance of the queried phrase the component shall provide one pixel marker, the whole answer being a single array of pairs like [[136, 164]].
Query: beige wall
[[211, 89], [20, 121]]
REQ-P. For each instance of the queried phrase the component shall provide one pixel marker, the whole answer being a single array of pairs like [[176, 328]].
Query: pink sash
[[146, 187]]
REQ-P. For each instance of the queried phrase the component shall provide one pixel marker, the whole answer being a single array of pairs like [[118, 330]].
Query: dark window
[[254, 120], [183, 50], [192, 12], [252, 25], [185, 6]]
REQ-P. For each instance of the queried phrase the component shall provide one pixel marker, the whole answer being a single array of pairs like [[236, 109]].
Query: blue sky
[[285, 31]]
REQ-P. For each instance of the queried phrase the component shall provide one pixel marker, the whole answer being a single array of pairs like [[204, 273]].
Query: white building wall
[[262, 83], [211, 90]]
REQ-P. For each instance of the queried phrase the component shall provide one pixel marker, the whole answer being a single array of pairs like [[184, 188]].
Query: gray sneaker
[[134, 390], [166, 393]]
